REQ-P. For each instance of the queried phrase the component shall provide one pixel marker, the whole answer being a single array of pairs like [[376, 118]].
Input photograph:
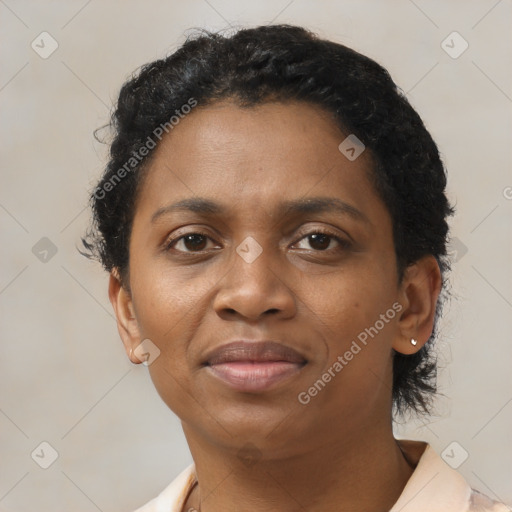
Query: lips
[[253, 366]]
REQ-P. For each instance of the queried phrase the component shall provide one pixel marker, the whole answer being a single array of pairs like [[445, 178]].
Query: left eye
[[320, 241]]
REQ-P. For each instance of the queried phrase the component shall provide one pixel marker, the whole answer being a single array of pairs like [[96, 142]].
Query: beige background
[[64, 376]]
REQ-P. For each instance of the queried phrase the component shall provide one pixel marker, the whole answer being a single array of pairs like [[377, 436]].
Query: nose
[[254, 289]]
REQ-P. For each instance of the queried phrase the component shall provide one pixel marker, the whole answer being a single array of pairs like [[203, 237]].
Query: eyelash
[[343, 244]]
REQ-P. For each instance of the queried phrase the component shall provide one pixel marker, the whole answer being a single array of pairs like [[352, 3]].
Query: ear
[[127, 326], [419, 292]]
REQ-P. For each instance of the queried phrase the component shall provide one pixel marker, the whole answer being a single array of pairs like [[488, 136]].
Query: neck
[[366, 472]]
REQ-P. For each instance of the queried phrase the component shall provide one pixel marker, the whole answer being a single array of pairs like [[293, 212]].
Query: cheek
[[168, 301], [351, 300], [356, 311], [167, 310], [169, 307]]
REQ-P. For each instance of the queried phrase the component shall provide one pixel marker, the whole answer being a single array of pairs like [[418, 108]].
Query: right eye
[[189, 243]]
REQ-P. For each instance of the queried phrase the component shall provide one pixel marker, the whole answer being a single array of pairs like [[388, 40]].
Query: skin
[[338, 451]]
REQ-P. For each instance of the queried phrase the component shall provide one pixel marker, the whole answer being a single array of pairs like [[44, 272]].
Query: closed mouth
[[254, 366]]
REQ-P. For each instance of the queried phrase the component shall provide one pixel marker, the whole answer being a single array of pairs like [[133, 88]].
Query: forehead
[[256, 157]]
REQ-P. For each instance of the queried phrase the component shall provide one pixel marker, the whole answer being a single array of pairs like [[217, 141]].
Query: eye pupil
[[198, 242], [319, 237]]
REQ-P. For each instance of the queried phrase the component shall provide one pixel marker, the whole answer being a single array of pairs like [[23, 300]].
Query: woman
[[273, 218]]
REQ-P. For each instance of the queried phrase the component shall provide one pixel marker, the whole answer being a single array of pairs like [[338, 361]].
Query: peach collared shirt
[[433, 487]]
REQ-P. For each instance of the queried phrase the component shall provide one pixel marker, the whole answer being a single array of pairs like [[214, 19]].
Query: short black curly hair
[[283, 63]]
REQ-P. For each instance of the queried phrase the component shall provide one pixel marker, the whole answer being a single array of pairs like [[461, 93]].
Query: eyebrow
[[206, 206]]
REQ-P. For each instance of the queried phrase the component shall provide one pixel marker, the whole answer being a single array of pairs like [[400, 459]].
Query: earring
[[414, 342]]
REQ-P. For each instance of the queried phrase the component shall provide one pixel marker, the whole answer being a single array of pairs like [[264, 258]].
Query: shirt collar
[[434, 486]]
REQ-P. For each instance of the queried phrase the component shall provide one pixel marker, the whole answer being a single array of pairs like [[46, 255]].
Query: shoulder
[[437, 487], [479, 502], [172, 498]]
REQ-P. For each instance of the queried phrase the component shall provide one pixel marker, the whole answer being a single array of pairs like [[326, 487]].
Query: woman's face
[[258, 269]]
